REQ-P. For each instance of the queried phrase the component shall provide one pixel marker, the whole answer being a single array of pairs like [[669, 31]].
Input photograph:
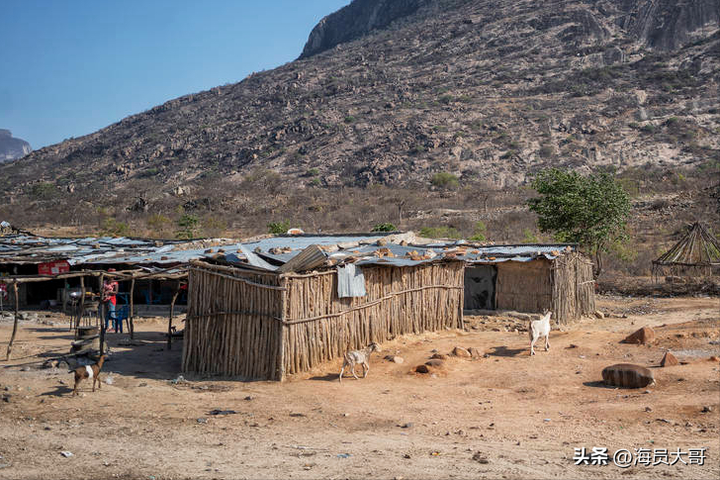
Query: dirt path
[[502, 416]]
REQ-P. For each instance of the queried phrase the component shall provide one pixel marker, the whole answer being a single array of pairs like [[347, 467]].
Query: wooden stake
[[101, 313], [81, 310], [131, 320], [172, 310], [14, 331]]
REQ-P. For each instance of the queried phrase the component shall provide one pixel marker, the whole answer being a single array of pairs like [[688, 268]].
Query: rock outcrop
[[12, 148], [355, 20]]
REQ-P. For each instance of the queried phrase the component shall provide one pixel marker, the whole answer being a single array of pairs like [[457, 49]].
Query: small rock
[[461, 352], [202, 420], [480, 458], [707, 409], [546, 420], [394, 359], [407, 425], [648, 409], [66, 454], [249, 397], [668, 360], [599, 314], [434, 362], [714, 359], [474, 352], [572, 345], [422, 369], [439, 356]]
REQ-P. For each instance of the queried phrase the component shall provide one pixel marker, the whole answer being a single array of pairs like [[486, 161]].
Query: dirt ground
[[505, 415]]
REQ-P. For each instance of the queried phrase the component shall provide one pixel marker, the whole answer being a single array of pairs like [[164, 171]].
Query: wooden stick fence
[[255, 325]]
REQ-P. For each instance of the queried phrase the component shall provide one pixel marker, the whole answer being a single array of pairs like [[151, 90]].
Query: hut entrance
[[480, 287]]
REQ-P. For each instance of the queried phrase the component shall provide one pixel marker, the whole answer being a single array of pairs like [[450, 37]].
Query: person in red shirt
[[109, 297]]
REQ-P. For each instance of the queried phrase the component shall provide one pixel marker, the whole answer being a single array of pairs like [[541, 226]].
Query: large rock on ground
[[644, 336], [627, 375], [474, 352], [461, 352], [669, 360]]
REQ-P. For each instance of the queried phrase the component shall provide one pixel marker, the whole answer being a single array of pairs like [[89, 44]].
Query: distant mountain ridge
[[396, 91], [12, 148]]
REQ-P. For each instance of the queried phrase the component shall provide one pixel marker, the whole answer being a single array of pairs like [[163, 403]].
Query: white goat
[[540, 328], [361, 357]]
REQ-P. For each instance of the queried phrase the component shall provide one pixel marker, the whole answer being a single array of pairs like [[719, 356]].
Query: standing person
[[110, 290]]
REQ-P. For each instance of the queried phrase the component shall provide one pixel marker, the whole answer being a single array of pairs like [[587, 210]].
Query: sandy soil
[[507, 415]]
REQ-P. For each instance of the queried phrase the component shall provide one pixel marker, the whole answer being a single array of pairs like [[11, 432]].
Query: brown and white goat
[[361, 357], [89, 371]]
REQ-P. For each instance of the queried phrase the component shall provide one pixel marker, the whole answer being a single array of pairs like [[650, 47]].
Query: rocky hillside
[[12, 148], [397, 92]]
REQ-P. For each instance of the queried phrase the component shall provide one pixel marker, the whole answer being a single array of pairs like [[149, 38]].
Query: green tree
[[444, 180], [278, 228], [480, 232], [384, 227], [591, 211], [187, 227]]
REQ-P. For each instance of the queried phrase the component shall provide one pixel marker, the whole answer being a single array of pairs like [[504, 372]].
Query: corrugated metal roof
[[359, 248]]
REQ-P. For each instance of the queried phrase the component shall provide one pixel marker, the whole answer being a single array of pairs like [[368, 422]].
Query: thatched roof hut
[[696, 253]]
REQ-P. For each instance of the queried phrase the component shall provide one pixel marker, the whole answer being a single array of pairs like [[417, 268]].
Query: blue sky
[[72, 67]]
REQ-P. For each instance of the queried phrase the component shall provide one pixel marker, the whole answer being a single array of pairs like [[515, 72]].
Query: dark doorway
[[480, 287]]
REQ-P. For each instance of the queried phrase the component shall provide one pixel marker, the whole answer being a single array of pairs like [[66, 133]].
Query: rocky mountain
[[396, 92], [12, 148]]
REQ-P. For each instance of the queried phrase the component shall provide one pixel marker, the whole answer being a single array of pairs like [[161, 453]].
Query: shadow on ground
[[504, 351], [330, 377]]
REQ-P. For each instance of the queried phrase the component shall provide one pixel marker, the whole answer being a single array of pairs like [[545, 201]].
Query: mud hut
[[256, 320]]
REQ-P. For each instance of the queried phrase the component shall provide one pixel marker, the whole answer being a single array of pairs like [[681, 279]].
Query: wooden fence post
[[131, 321], [14, 331], [101, 313], [172, 310]]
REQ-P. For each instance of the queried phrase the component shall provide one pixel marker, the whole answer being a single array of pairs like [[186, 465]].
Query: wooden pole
[[101, 313], [14, 331], [172, 310], [280, 366], [81, 308], [131, 321]]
